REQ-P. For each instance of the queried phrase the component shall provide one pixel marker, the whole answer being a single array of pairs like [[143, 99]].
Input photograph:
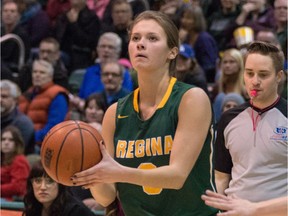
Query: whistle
[[253, 93]]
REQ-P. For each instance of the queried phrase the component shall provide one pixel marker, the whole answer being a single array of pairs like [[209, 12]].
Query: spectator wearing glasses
[[112, 78], [108, 49], [49, 50], [46, 197]]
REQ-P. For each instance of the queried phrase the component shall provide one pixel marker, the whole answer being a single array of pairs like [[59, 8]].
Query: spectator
[[257, 14], [280, 13], [10, 114], [138, 6], [10, 25], [36, 22], [268, 36], [112, 78], [230, 79], [14, 165], [98, 6], [231, 100], [187, 68], [108, 49], [94, 109], [193, 31], [46, 197], [78, 31], [45, 102], [220, 23], [49, 50], [122, 14], [55, 8], [251, 145]]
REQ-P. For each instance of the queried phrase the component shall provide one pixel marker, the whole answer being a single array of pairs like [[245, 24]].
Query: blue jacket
[[92, 81]]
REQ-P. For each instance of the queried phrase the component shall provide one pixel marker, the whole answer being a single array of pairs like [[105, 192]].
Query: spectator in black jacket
[[78, 31]]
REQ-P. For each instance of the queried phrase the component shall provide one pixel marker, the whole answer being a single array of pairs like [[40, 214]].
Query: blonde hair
[[238, 81]]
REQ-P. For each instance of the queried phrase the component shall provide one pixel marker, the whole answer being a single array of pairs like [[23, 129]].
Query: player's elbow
[[179, 181]]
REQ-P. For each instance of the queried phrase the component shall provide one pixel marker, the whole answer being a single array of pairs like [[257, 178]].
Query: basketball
[[70, 147]]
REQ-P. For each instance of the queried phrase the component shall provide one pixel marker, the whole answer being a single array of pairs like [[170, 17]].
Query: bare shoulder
[[196, 96], [198, 102]]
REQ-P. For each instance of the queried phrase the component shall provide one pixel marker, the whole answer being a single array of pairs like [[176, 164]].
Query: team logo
[[47, 157], [280, 133]]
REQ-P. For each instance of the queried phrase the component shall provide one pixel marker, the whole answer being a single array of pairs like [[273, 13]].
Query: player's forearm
[[104, 194], [161, 177], [272, 207]]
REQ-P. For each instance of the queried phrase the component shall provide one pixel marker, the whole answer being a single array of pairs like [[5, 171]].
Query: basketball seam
[[60, 149], [82, 144]]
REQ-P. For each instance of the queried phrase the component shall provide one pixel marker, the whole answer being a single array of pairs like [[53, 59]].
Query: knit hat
[[186, 51], [237, 98]]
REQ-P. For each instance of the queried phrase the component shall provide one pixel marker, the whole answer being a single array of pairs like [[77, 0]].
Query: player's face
[[148, 47], [260, 76], [45, 190], [94, 113], [7, 143]]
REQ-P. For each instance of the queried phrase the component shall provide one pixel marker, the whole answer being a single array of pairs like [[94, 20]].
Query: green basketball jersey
[[147, 145]]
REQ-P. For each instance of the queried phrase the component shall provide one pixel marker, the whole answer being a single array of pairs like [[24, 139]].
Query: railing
[[19, 43]]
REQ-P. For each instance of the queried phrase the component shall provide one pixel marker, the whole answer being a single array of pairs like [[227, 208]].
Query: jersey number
[[149, 190]]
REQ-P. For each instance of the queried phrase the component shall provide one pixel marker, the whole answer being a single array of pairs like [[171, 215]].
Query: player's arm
[[193, 125], [222, 181], [105, 193]]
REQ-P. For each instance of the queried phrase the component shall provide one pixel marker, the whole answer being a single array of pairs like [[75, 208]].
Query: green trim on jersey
[[147, 145]]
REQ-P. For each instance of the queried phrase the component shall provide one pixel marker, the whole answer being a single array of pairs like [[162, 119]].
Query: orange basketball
[[70, 147]]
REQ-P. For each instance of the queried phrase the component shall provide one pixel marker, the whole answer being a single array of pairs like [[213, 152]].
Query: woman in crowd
[[231, 79], [45, 197], [14, 165]]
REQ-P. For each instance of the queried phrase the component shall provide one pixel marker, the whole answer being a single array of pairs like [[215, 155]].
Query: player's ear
[[173, 53]]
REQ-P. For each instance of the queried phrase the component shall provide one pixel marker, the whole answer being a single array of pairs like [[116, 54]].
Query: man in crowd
[[10, 115], [44, 102]]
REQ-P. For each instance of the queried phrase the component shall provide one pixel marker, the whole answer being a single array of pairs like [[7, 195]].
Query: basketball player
[[161, 140], [251, 146]]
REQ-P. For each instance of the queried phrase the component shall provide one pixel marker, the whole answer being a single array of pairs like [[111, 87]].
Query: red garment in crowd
[[14, 178]]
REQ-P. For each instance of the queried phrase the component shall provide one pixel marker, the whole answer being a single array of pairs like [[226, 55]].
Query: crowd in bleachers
[[76, 63]]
